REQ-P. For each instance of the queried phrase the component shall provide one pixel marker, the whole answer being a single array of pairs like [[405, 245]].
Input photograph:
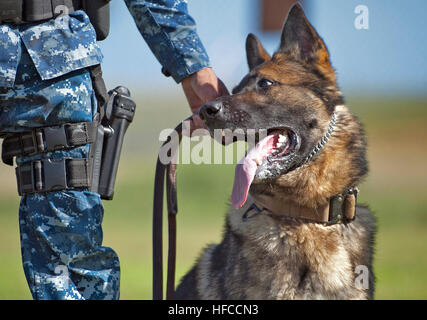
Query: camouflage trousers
[[61, 234]]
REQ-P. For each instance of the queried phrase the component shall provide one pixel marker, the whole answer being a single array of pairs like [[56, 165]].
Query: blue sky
[[387, 59]]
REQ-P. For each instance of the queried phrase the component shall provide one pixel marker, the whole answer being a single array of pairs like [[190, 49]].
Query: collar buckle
[[342, 207]]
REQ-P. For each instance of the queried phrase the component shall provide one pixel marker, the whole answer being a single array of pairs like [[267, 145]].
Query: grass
[[395, 190]]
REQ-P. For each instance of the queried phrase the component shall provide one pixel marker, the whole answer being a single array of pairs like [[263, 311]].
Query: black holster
[[118, 114]]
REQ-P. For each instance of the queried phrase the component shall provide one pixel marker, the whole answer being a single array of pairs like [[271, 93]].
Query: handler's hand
[[200, 88]]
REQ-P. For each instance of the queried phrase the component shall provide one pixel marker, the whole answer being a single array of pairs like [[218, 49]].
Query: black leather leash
[[168, 172]]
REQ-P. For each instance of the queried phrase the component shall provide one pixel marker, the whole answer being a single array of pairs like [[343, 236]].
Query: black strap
[[159, 185], [52, 175], [171, 194], [99, 87], [48, 139]]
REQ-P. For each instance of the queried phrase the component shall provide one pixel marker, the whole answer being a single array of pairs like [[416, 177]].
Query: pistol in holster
[[118, 114]]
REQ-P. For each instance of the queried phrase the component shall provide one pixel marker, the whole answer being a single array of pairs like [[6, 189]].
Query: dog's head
[[292, 95]]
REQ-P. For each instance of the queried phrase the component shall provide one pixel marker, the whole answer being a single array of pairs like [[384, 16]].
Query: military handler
[[45, 81]]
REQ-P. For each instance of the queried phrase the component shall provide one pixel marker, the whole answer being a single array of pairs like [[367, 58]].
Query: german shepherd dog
[[282, 239]]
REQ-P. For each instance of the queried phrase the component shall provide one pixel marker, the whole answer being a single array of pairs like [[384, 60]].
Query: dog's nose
[[210, 110]]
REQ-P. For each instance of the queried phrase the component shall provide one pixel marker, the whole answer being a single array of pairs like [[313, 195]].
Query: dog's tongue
[[246, 168]]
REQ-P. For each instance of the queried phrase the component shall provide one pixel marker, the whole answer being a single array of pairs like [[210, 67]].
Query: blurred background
[[383, 74]]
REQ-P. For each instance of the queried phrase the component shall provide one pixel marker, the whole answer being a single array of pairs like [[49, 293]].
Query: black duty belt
[[30, 11], [48, 139], [53, 174]]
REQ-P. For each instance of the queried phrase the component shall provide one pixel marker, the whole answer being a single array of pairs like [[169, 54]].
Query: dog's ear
[[255, 52], [301, 40]]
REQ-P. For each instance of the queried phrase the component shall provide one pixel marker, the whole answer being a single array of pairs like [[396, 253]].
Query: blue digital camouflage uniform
[[44, 82]]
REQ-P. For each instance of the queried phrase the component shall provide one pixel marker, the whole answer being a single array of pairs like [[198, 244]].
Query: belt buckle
[[54, 174], [11, 11], [42, 176]]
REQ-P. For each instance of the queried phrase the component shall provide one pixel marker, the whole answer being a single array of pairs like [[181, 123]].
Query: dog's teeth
[[278, 145]]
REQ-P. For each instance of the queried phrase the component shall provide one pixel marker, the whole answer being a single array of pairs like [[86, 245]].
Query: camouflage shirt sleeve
[[171, 35]]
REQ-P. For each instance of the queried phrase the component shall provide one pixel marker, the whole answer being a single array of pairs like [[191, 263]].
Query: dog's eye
[[265, 83]]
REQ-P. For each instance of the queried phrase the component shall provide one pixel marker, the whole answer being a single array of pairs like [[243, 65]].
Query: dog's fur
[[271, 256]]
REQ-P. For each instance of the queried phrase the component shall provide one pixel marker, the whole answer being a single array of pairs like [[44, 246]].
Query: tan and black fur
[[272, 256]]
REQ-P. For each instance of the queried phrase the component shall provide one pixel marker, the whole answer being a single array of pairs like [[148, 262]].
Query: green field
[[395, 190]]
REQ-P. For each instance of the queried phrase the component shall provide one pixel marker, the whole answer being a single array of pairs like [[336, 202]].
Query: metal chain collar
[[322, 141]]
